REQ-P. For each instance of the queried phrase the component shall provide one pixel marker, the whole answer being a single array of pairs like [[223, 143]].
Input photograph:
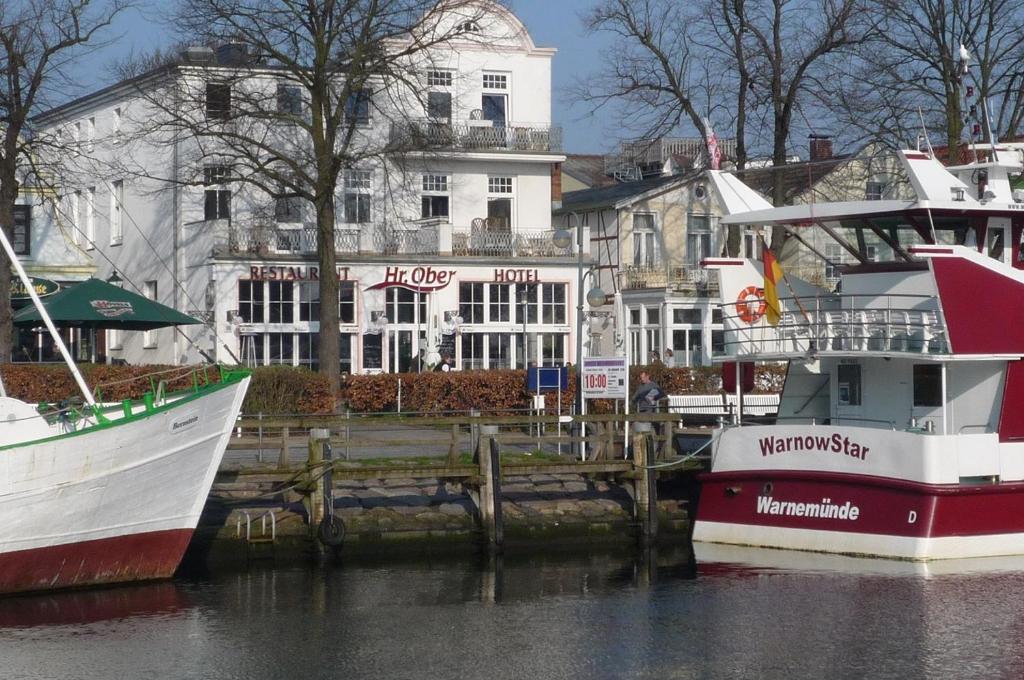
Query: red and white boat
[[111, 496], [900, 430]]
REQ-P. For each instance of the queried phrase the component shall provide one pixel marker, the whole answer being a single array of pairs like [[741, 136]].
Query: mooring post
[[314, 472], [645, 481], [490, 486], [282, 459]]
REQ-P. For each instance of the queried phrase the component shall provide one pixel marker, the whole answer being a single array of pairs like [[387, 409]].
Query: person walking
[[647, 394], [670, 359]]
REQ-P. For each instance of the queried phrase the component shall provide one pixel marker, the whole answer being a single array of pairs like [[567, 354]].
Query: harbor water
[[643, 614]]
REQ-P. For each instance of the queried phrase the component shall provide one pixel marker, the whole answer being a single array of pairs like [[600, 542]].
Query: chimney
[[821, 147], [556, 186]]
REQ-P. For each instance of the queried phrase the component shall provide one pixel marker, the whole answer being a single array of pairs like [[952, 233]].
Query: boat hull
[[113, 503], [860, 515]]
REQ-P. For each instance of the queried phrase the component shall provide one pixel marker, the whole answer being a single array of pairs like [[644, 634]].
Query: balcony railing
[[476, 135], [384, 239], [888, 324], [684, 279], [519, 243]]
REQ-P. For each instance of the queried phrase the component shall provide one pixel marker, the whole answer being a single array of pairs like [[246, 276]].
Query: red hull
[[137, 557], [883, 506]]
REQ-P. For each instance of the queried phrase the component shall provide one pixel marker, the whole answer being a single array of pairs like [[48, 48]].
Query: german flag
[[772, 277]]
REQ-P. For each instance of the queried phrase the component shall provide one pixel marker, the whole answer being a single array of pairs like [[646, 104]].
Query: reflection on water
[[653, 614]]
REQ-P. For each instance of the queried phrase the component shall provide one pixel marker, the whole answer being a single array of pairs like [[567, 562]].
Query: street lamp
[[595, 297], [115, 280]]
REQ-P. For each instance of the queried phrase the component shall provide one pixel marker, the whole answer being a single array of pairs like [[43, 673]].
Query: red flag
[[714, 153], [772, 276]]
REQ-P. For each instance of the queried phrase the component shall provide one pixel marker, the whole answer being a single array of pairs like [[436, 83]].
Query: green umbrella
[[97, 304]]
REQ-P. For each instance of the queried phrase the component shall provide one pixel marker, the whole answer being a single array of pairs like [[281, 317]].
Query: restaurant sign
[[42, 287]]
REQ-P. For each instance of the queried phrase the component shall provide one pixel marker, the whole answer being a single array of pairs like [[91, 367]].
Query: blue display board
[[544, 378]]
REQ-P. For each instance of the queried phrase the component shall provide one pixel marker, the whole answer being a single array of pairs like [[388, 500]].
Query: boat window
[[849, 384], [927, 385]]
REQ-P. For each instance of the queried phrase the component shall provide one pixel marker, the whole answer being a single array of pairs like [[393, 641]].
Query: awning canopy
[[100, 305]]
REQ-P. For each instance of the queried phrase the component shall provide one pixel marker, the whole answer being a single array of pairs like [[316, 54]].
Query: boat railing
[[911, 324]]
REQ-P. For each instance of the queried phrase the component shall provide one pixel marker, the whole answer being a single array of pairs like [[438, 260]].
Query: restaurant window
[[308, 345], [357, 108], [499, 350], [347, 301], [526, 303], [250, 301], [218, 100], [289, 99], [552, 349], [22, 241], [309, 301], [401, 305], [281, 303], [373, 344], [691, 316], [439, 106], [116, 212], [217, 197], [927, 385], [471, 302], [288, 209], [280, 347], [473, 350]]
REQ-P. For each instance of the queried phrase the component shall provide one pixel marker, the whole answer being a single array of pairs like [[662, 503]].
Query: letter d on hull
[[912, 517]]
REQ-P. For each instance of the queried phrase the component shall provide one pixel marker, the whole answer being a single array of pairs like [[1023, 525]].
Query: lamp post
[[595, 298]]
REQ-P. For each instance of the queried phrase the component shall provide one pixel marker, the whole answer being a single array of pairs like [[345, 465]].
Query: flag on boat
[[714, 153], [772, 276]]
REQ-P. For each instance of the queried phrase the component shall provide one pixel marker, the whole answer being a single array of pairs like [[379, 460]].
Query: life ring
[[750, 305]]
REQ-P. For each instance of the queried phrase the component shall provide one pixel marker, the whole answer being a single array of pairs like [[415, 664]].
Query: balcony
[[838, 324], [685, 279], [414, 238], [475, 135]]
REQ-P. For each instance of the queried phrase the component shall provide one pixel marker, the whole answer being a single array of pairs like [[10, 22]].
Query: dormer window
[[469, 27]]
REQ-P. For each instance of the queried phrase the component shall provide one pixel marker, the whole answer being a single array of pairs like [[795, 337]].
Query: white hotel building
[[450, 249]]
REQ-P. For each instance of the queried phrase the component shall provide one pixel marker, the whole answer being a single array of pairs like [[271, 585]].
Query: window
[[499, 185], [149, 337], [347, 301], [357, 196], [22, 241], [401, 305], [495, 81], [439, 78], [499, 302], [250, 301], [698, 239], [848, 379], [469, 27], [873, 191], [218, 101], [289, 99], [634, 317], [471, 302], [116, 211], [90, 132], [309, 301], [645, 248], [927, 385], [75, 212], [288, 209], [499, 350], [473, 350], [217, 204], [115, 124], [653, 316], [357, 108], [373, 344], [552, 349], [90, 218], [309, 350], [526, 304], [439, 105], [281, 303], [280, 347], [435, 199], [553, 303], [686, 316], [833, 261]]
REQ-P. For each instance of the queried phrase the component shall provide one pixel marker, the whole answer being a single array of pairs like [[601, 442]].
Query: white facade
[[419, 238]]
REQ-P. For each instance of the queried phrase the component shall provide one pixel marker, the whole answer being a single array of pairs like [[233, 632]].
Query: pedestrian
[[670, 359], [647, 395], [445, 365], [655, 359]]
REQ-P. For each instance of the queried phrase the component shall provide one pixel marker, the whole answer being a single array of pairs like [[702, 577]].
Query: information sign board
[[604, 377]]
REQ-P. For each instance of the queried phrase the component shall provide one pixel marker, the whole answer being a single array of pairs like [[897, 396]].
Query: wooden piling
[[645, 484], [282, 459], [490, 488], [314, 473]]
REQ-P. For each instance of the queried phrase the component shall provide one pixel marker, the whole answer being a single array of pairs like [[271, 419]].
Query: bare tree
[[910, 69], [758, 56], [38, 41], [292, 103]]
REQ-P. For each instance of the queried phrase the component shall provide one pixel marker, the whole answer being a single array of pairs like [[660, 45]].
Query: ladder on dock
[[263, 538]]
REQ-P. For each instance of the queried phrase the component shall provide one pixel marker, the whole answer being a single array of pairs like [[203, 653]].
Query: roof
[[587, 168], [797, 178], [618, 194]]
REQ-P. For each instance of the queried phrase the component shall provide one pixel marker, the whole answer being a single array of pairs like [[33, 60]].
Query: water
[[598, 615]]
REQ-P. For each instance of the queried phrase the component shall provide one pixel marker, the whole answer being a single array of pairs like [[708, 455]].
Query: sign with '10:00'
[[604, 377]]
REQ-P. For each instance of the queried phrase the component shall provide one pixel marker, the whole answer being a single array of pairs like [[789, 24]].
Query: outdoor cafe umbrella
[[96, 304]]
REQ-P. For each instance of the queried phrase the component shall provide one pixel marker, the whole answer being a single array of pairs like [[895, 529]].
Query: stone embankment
[[569, 507]]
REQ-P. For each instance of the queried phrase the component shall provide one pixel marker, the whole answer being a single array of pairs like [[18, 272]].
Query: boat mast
[[86, 392]]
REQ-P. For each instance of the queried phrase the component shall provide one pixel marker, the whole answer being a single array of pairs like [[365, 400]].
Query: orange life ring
[[750, 305]]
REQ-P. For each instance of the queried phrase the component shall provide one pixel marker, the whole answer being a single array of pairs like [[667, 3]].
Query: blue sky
[[551, 23]]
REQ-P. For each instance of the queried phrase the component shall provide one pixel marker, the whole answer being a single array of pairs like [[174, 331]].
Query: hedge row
[[283, 389]]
